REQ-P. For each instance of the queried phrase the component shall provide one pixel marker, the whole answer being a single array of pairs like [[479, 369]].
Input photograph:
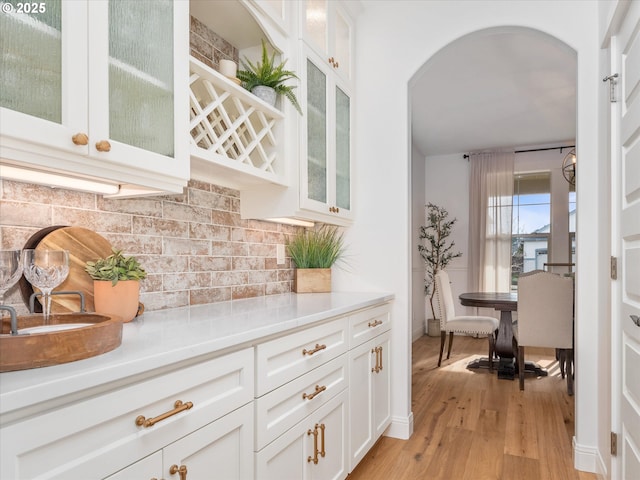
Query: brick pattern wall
[[194, 246], [209, 47]]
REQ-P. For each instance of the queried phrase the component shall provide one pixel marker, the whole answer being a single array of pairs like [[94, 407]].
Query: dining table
[[506, 345]]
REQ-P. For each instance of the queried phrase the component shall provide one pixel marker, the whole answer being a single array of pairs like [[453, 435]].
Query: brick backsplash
[[195, 247], [209, 47]]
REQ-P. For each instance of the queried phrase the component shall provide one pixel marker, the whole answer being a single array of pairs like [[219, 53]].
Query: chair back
[[446, 306], [545, 310]]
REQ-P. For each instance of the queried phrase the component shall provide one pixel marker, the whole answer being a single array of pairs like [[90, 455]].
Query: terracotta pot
[[121, 299]]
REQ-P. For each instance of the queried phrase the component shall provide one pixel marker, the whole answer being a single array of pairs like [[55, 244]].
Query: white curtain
[[490, 200]]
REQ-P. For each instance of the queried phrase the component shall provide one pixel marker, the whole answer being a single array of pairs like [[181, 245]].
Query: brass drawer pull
[[80, 139], [314, 432], [180, 470], [141, 421], [309, 396], [375, 324], [378, 352], [316, 349], [322, 452]]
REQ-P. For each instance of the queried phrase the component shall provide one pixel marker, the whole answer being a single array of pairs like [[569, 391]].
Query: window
[[531, 224]]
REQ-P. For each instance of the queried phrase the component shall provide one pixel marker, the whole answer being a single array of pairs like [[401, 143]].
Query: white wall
[[394, 39], [418, 326]]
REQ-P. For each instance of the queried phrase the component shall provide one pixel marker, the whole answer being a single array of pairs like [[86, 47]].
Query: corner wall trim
[[587, 459], [400, 427]]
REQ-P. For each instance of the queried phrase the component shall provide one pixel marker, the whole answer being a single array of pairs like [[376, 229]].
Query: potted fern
[[314, 252], [437, 251], [116, 285], [266, 79]]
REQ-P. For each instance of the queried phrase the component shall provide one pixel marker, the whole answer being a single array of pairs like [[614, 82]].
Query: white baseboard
[[588, 459], [401, 427]]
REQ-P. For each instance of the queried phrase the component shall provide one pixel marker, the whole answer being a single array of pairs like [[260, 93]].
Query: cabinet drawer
[[96, 436], [281, 360], [367, 324], [281, 409]]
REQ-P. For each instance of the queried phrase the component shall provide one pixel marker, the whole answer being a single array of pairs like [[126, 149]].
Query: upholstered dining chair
[[466, 324], [545, 319]]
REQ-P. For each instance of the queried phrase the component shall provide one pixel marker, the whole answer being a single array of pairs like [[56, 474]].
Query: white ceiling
[[495, 89]]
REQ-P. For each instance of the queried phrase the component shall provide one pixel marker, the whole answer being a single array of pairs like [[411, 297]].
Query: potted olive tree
[[116, 284], [437, 251], [314, 252], [266, 79]]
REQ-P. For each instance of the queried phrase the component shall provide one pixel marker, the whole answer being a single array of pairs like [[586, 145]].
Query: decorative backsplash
[[195, 247], [209, 47]]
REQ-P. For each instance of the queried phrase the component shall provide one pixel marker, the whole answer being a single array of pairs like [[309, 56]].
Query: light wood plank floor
[[470, 425]]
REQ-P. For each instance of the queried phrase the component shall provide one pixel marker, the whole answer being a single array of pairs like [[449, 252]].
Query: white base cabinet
[[302, 405], [369, 395], [315, 448], [223, 447]]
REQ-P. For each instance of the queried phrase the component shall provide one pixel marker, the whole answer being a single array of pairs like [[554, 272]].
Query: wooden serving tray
[[21, 352]]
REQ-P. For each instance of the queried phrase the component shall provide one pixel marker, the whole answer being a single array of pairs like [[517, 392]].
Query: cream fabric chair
[[467, 324], [545, 318]]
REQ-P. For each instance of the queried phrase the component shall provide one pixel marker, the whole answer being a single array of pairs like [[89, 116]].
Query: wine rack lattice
[[229, 122]]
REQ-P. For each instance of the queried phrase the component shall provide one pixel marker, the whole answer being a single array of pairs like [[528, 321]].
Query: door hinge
[[614, 268], [614, 444], [612, 86]]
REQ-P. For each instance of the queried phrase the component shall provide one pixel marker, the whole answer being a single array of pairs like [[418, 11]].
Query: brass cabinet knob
[[103, 146], [80, 139], [181, 470]]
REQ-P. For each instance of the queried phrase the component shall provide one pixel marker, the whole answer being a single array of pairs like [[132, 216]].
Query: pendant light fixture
[[569, 167]]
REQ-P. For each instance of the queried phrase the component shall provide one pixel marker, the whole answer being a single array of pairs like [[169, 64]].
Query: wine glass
[[10, 270], [45, 269]]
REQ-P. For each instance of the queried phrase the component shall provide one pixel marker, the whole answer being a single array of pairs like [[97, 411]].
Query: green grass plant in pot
[[314, 252], [116, 285], [266, 80]]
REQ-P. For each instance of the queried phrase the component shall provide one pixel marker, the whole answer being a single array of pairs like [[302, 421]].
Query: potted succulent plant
[[266, 79], [116, 284], [314, 252], [437, 252]]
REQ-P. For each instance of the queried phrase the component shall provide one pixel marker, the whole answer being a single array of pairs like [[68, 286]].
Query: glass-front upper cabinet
[[103, 79], [326, 175], [327, 28]]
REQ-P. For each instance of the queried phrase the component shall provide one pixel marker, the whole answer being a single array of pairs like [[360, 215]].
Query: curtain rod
[[467, 155]]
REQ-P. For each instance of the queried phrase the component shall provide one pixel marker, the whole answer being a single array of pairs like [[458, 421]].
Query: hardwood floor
[[471, 425]]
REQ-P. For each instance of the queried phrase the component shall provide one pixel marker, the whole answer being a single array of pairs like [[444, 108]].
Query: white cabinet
[[302, 404], [315, 448], [98, 89], [223, 447], [181, 413], [325, 176], [369, 381], [328, 29]]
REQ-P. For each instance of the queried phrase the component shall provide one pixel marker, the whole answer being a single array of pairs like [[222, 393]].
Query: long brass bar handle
[[322, 452], [375, 324], [314, 432], [180, 470], [317, 348], [141, 421], [309, 396], [378, 352]]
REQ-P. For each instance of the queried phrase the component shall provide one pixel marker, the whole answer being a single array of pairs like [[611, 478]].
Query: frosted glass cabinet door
[[141, 74], [343, 150], [137, 82], [36, 84], [316, 133]]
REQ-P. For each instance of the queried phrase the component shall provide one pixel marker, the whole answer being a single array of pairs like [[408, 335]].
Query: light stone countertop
[[162, 338]]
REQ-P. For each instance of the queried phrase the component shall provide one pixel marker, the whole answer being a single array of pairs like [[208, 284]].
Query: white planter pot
[[266, 94], [433, 327]]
